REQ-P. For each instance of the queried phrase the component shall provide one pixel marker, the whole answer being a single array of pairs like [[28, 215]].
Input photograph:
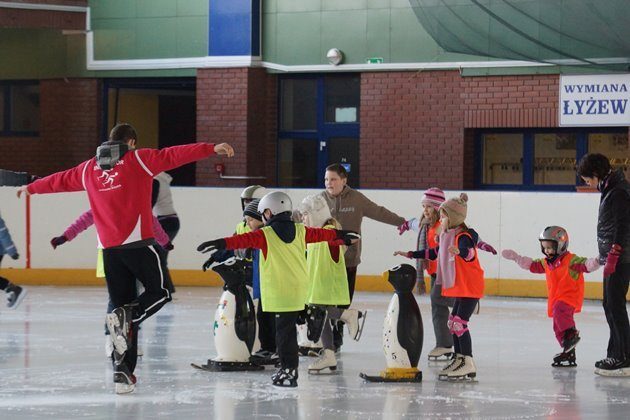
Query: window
[[19, 108], [544, 159], [299, 104], [342, 99]]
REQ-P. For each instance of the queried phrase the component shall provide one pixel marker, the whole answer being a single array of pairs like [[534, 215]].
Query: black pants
[[266, 329], [615, 289], [464, 308], [286, 339], [338, 325], [170, 224], [122, 268]]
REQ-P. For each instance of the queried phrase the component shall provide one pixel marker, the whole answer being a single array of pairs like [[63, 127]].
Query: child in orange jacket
[[565, 285]]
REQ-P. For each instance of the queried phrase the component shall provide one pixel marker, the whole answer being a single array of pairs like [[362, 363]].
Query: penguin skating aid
[[234, 326], [403, 333]]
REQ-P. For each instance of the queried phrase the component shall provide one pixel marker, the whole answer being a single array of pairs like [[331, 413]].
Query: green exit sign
[[375, 60]]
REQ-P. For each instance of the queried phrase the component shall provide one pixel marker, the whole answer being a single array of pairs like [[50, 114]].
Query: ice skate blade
[[564, 365], [613, 373], [357, 337], [214, 366], [471, 377], [442, 358], [122, 389], [330, 370], [284, 385]]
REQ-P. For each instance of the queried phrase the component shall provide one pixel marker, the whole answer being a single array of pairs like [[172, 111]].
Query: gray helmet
[[277, 202], [555, 234], [252, 192]]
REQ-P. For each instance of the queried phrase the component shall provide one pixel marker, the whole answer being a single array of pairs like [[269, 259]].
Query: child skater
[[326, 268], [15, 293], [266, 320], [118, 182], [461, 277], [564, 272], [283, 276]]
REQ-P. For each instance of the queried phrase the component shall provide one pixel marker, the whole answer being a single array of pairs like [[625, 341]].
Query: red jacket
[[121, 197]]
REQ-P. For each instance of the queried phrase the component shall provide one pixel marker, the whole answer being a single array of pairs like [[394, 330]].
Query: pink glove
[[524, 262], [611, 260], [484, 246], [405, 226]]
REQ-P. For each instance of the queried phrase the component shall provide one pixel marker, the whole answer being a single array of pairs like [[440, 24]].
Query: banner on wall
[[595, 100]]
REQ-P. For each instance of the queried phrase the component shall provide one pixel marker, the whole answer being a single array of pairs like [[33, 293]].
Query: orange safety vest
[[432, 243], [564, 285], [468, 276]]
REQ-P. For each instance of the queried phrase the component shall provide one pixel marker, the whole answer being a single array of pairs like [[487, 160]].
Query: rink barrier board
[[87, 277]]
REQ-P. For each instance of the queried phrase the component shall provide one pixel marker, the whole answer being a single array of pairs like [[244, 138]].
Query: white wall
[[503, 219]]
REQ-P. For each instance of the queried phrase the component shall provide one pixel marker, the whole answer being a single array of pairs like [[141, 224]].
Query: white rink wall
[[503, 219]]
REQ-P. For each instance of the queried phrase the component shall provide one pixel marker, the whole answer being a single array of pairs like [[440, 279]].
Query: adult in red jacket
[[118, 182]]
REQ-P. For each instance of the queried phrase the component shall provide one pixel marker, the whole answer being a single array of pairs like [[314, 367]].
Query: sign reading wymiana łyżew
[[594, 100]]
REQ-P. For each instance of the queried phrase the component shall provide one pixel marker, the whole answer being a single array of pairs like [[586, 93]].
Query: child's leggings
[[463, 308], [562, 319]]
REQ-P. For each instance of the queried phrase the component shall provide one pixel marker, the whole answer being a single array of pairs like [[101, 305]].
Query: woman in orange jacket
[[565, 286]]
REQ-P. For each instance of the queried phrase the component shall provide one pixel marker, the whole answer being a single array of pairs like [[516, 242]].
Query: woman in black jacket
[[613, 241]]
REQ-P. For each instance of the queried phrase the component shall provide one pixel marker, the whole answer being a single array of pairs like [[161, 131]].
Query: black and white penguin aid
[[234, 326], [403, 332]]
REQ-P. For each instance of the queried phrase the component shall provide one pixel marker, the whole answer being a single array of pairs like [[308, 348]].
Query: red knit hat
[[433, 197]]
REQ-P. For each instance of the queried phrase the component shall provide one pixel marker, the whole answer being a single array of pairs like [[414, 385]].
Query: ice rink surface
[[53, 366]]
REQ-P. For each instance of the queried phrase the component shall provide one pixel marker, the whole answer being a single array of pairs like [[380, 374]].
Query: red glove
[[59, 240], [611, 260]]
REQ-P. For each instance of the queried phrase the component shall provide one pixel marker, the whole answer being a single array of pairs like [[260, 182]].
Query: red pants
[[562, 319]]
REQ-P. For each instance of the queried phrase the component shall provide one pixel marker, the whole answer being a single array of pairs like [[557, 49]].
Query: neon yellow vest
[[329, 280], [100, 267], [283, 276], [242, 227]]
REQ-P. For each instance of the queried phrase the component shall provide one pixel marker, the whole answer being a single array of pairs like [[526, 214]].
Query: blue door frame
[[529, 153], [323, 132]]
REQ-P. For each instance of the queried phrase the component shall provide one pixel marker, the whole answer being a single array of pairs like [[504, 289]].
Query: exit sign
[[375, 60]]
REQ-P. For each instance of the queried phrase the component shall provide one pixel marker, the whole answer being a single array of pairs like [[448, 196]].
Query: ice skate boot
[[264, 357], [441, 354], [15, 295], [285, 377], [315, 319], [355, 320], [326, 361], [564, 359], [571, 338], [456, 360], [119, 327], [124, 380], [613, 367], [465, 370], [109, 346]]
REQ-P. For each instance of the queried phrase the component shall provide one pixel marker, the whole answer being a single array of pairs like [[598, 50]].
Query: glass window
[[554, 158], [612, 145], [297, 163], [502, 158], [342, 99], [25, 108], [2, 89], [298, 104]]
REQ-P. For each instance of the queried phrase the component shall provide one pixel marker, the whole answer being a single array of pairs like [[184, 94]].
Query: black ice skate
[[613, 367], [264, 357], [124, 380], [570, 340], [119, 327], [15, 295], [315, 319], [564, 359], [285, 377]]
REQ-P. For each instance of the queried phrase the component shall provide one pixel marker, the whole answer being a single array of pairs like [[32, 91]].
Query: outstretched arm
[[584, 265], [526, 263]]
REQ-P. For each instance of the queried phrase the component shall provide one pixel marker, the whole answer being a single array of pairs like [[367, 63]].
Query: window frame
[[528, 134], [7, 130]]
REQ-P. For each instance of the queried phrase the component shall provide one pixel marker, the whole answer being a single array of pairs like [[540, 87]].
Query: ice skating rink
[[53, 366]]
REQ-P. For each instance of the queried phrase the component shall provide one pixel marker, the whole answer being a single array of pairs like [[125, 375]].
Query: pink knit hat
[[456, 209], [433, 197]]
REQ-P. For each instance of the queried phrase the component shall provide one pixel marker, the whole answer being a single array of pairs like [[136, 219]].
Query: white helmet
[[251, 193], [277, 202], [317, 209], [555, 234]]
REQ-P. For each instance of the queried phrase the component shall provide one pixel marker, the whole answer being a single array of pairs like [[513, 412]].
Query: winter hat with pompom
[[456, 209], [316, 208], [433, 197]]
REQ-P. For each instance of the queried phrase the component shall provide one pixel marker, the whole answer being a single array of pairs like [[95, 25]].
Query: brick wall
[[26, 18], [69, 129], [416, 127], [237, 106]]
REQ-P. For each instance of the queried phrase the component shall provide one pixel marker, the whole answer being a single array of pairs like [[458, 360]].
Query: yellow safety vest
[[329, 280]]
